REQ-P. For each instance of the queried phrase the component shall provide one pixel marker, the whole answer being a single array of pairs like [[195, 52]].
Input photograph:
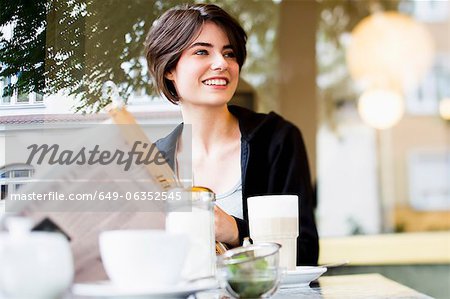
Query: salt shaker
[[198, 223]]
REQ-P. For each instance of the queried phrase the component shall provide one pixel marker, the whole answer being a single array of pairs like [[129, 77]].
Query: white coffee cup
[[274, 218], [143, 259], [35, 265]]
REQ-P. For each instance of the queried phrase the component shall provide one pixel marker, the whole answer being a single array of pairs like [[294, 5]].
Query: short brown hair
[[175, 30]]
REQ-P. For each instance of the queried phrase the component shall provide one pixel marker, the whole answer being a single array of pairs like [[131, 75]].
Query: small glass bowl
[[250, 272]]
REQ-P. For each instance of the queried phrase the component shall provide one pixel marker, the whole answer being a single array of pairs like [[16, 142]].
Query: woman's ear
[[169, 76]]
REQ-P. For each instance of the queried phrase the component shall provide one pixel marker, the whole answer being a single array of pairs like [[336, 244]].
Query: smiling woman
[[184, 27], [195, 54], [207, 72]]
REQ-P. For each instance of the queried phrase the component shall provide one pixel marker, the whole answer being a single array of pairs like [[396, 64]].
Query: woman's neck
[[211, 126], [215, 148]]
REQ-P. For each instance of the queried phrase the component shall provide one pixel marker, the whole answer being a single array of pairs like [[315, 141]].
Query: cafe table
[[374, 286]]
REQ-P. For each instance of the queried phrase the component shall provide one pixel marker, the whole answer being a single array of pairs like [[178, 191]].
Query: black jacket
[[273, 161]]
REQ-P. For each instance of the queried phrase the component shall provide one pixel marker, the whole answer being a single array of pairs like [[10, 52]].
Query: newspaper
[[96, 178]]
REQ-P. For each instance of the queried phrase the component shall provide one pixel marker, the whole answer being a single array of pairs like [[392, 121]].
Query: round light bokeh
[[389, 49], [381, 109], [444, 108]]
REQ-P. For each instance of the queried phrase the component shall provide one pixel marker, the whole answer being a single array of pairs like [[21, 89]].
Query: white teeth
[[220, 82]]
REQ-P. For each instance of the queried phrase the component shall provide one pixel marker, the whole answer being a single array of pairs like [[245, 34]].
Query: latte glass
[[274, 218]]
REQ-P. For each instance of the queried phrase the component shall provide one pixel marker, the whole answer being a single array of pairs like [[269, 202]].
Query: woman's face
[[207, 73]]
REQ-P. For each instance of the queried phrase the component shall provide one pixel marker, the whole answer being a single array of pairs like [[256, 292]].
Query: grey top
[[231, 201]]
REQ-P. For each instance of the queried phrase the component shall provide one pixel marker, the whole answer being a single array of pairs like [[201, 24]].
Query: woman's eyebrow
[[201, 44], [208, 45]]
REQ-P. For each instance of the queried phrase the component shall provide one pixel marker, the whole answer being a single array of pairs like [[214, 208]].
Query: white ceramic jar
[[36, 265]]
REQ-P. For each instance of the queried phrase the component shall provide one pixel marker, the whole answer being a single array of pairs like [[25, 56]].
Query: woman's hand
[[225, 227]]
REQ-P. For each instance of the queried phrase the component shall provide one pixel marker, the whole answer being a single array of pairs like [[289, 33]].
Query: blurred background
[[366, 81]]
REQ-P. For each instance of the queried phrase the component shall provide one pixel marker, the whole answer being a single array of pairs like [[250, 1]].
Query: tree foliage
[[24, 54], [75, 46]]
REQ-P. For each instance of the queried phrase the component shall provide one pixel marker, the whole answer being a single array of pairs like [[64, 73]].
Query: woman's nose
[[219, 63]]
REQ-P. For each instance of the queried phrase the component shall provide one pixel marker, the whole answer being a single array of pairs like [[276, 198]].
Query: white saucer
[[107, 289], [301, 276]]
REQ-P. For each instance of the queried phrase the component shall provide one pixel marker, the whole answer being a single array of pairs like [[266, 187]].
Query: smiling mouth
[[215, 82]]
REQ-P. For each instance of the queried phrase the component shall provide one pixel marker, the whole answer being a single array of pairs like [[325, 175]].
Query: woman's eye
[[201, 52], [229, 55]]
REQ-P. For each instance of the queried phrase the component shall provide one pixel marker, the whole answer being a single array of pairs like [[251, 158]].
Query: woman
[[195, 54]]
